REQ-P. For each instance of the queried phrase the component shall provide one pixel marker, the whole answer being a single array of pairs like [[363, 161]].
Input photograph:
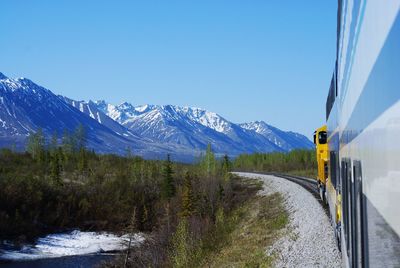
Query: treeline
[[300, 162], [58, 185], [65, 153]]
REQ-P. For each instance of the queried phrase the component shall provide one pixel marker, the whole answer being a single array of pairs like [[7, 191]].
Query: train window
[[336, 86], [333, 168], [315, 137], [322, 137], [339, 19], [331, 97], [338, 175]]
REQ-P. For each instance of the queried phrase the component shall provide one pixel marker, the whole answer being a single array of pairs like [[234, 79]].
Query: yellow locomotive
[[326, 186], [321, 145]]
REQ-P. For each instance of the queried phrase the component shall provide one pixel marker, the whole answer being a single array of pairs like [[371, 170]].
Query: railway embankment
[[308, 239]]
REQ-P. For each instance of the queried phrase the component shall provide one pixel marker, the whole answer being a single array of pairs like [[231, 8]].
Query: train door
[[354, 216], [345, 204], [361, 244]]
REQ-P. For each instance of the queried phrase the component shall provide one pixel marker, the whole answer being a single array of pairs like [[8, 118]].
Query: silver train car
[[363, 126]]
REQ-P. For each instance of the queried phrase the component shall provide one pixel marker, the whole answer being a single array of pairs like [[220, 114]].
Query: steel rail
[[309, 184]]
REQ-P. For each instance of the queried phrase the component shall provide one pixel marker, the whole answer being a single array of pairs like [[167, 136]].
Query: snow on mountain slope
[[285, 139], [178, 125], [91, 109], [118, 113], [126, 113], [25, 107], [195, 127]]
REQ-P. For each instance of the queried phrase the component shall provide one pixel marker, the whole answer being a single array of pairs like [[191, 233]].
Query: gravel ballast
[[308, 240]]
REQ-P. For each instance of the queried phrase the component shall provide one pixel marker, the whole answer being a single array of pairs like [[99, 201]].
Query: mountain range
[[151, 131]]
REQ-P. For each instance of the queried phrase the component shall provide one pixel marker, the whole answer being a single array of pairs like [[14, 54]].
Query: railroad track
[[307, 183]]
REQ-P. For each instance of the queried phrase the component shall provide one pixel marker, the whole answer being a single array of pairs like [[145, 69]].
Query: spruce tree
[[82, 163], [53, 143], [187, 196], [226, 164], [55, 168], [145, 217], [181, 250], [60, 154], [168, 186], [67, 145], [30, 146], [80, 138]]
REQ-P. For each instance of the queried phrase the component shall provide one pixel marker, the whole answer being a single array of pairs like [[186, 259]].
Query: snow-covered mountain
[[197, 127], [25, 107], [126, 113], [90, 109], [149, 130], [287, 140]]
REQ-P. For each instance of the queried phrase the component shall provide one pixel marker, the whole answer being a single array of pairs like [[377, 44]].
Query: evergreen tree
[[60, 155], [55, 168], [67, 145], [168, 186], [221, 192], [145, 217], [82, 162], [226, 167], [187, 196], [53, 143], [180, 245], [80, 137]]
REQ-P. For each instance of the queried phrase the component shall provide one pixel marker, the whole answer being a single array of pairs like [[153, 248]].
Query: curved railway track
[[309, 184]]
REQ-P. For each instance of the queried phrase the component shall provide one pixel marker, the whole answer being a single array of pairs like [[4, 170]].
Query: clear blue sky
[[246, 60]]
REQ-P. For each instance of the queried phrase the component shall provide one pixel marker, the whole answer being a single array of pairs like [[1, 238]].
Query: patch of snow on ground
[[309, 240], [70, 244]]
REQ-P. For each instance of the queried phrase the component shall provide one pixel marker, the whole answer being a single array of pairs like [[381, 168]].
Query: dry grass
[[257, 227]]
